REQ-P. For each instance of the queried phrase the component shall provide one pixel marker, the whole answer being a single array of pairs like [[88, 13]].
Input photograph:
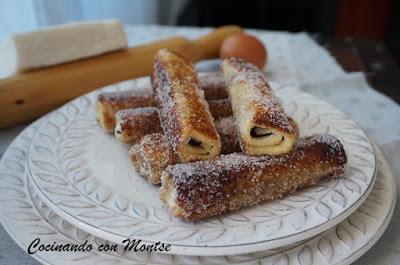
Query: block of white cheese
[[60, 44]]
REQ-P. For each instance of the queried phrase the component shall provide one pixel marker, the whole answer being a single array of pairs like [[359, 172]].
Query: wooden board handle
[[28, 95]]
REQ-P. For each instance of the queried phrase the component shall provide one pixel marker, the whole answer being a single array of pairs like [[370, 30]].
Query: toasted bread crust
[[133, 124], [184, 113], [255, 107], [151, 156], [109, 103], [153, 153], [213, 85], [203, 189]]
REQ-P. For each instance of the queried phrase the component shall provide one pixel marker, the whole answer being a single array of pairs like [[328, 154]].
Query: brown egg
[[246, 47]]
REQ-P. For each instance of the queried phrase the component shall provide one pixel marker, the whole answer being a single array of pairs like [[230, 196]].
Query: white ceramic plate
[[86, 177], [25, 217]]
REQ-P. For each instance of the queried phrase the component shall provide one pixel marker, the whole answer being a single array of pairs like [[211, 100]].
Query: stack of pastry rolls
[[216, 142], [109, 103], [134, 123], [153, 154]]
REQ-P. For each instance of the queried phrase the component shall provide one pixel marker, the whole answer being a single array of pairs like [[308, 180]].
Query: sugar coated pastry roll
[[203, 189], [109, 103], [132, 124], [220, 108], [154, 153], [213, 85], [184, 113], [263, 126], [229, 138]]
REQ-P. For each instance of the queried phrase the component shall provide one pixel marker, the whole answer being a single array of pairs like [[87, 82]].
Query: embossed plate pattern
[[26, 217], [85, 176]]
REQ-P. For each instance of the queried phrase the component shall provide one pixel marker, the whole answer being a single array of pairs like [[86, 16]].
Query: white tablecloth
[[294, 59]]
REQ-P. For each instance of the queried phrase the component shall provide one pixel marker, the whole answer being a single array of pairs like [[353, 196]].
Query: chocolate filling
[[194, 142], [259, 132]]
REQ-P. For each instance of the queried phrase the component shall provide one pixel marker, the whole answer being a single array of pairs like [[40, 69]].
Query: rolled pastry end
[[104, 118], [109, 103], [133, 124], [197, 146], [261, 140], [169, 196], [151, 156]]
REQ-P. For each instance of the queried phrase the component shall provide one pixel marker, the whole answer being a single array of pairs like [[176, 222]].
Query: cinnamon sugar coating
[[184, 113], [213, 85], [220, 108], [203, 189], [132, 124], [154, 153], [263, 126], [109, 103], [146, 160]]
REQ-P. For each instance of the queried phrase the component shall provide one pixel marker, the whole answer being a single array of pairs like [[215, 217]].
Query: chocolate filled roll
[[184, 113], [203, 189], [263, 126], [213, 85], [220, 108], [154, 153], [132, 124], [109, 103]]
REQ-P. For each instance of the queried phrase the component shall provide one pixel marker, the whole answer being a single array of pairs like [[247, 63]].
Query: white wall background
[[25, 15], [17, 16]]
